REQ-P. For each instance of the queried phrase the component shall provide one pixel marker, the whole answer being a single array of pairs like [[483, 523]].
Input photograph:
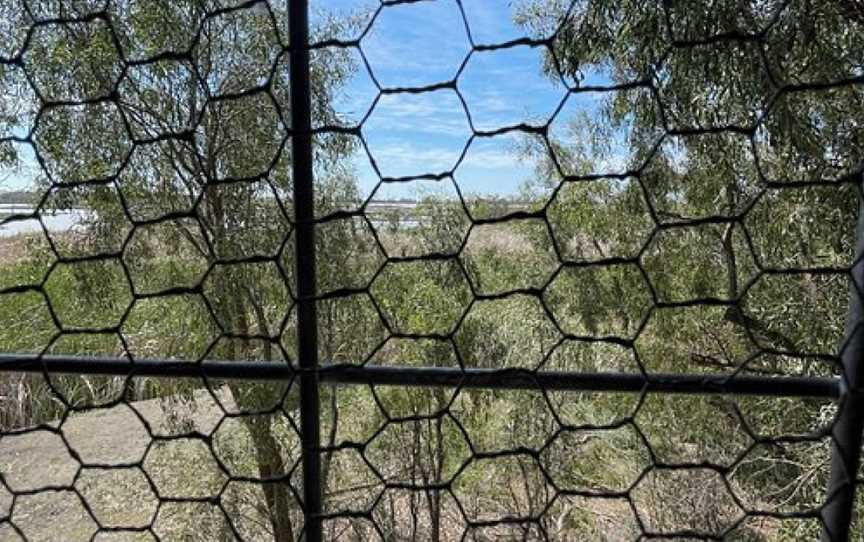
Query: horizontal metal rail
[[452, 377]]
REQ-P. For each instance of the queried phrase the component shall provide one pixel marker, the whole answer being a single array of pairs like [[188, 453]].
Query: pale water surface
[[55, 221]]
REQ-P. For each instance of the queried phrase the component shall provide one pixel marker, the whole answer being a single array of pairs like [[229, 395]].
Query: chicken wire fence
[[235, 342]]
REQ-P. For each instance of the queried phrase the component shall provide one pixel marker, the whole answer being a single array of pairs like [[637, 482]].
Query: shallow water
[[55, 222]]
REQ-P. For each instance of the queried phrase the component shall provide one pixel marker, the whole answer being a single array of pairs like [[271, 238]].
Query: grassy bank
[[529, 454]]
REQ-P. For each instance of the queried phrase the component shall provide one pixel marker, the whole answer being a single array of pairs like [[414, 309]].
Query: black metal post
[[847, 431], [304, 216], [440, 377]]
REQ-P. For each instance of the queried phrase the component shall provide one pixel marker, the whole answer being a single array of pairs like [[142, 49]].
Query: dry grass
[[15, 248], [115, 437]]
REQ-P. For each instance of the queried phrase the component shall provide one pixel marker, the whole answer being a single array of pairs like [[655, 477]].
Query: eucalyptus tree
[[720, 120], [170, 122], [723, 159]]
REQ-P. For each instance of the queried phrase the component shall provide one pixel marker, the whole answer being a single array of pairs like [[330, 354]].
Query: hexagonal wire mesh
[[645, 342]]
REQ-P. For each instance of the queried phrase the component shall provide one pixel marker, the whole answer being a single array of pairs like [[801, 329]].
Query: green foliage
[[628, 243], [422, 297], [610, 300], [103, 294]]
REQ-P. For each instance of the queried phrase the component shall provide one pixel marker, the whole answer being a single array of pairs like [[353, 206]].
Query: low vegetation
[[586, 442], [721, 245]]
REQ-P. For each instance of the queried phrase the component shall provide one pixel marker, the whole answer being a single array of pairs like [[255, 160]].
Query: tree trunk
[[277, 494], [268, 453]]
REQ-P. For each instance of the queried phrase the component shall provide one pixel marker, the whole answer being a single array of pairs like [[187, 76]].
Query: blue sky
[[419, 44]]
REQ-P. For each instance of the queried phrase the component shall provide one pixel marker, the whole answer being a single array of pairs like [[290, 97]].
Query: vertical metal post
[[847, 431], [304, 216]]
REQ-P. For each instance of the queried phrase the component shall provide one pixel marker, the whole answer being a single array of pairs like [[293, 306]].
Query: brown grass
[[15, 248]]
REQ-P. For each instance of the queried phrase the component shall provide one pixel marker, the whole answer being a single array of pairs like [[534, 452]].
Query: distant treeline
[[18, 196]]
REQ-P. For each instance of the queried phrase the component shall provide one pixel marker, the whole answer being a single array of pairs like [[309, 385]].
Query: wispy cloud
[[407, 157], [494, 166], [495, 103], [438, 112], [493, 22], [417, 44]]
